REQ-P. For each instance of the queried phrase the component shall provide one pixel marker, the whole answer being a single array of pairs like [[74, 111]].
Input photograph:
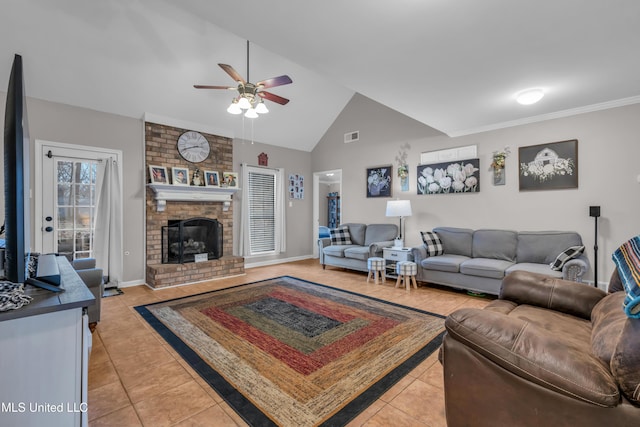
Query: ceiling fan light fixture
[[233, 107], [529, 96], [250, 94], [261, 108], [251, 113], [244, 103]]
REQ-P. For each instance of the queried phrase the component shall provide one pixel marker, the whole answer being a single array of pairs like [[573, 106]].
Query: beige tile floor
[[136, 379]]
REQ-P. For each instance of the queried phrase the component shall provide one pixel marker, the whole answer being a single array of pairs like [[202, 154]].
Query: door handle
[[48, 229]]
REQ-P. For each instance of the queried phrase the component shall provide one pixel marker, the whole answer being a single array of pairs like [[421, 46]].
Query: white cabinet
[[42, 375], [44, 356], [393, 256]]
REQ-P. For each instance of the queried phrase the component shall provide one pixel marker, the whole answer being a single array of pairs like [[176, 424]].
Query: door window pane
[[76, 207]]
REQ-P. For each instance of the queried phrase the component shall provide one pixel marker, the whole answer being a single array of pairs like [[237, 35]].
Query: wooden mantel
[[178, 193]]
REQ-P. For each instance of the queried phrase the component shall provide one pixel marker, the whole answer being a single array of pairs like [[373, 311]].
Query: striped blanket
[[627, 259]]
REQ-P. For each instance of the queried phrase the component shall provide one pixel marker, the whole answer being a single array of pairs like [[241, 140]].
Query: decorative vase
[[498, 176]]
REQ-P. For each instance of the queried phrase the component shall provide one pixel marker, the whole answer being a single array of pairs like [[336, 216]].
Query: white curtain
[[281, 211], [107, 241], [244, 246]]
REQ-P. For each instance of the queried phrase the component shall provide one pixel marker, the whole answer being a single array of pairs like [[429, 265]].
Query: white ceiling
[[453, 65]]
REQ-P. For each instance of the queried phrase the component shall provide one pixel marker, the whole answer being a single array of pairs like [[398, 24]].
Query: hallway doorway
[[327, 202]]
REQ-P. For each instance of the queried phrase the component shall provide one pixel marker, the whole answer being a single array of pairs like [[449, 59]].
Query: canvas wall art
[[461, 176], [379, 180], [549, 166]]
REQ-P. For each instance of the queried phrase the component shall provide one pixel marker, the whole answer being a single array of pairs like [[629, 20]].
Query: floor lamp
[[399, 208], [594, 211]]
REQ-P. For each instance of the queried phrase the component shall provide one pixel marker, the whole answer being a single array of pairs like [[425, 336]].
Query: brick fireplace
[[160, 150]]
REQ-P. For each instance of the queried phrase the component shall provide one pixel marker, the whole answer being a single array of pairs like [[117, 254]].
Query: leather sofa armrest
[[534, 354], [575, 268], [572, 298], [376, 247]]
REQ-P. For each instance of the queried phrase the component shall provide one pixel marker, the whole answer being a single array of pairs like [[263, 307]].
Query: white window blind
[[262, 211]]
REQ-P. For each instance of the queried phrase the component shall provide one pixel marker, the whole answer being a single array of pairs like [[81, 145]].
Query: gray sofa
[[366, 241], [92, 277], [478, 260]]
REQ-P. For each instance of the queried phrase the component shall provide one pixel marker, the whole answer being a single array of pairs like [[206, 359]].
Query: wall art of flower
[[449, 178], [379, 181], [549, 166]]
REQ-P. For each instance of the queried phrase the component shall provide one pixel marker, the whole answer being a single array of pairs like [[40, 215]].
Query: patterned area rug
[[289, 352]]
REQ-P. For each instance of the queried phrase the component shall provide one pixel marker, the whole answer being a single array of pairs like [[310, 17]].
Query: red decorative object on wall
[[263, 159]]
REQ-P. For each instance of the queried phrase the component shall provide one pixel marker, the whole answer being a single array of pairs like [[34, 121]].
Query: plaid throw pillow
[[432, 242], [566, 255], [340, 236]]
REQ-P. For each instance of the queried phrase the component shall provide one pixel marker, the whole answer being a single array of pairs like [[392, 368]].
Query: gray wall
[[609, 147], [55, 122], [298, 211], [608, 153]]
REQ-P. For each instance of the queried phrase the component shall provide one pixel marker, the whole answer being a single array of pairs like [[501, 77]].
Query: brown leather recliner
[[547, 353]]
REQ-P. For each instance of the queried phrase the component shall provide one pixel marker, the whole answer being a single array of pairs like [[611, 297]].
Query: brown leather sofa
[[548, 352]]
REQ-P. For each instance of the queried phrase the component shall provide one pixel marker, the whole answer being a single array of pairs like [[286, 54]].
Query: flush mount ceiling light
[[529, 96], [250, 96]]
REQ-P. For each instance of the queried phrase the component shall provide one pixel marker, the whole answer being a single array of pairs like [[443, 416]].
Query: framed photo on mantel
[[158, 174]]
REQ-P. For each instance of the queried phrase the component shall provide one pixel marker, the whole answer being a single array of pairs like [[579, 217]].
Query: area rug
[[289, 352]]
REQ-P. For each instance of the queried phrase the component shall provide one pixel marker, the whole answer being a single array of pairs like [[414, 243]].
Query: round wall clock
[[193, 147]]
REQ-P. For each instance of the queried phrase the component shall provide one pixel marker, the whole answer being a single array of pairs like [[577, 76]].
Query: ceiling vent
[[351, 136]]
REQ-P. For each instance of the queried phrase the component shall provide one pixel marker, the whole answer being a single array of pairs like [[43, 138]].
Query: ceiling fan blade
[[213, 87], [233, 73], [275, 98], [276, 81]]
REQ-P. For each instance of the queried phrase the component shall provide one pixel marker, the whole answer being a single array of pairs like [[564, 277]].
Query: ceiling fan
[[250, 95]]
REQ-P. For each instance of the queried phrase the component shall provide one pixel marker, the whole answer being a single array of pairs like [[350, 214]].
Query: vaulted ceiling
[[453, 65]]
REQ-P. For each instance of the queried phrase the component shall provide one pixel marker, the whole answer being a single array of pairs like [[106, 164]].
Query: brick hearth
[[161, 151]]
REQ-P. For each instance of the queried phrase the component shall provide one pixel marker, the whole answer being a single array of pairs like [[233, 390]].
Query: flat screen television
[[16, 177]]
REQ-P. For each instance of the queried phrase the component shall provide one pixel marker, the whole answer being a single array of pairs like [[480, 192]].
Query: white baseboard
[[246, 265], [275, 261], [129, 283], [193, 283]]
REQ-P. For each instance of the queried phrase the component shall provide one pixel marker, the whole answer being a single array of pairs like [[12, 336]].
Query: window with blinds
[[262, 211]]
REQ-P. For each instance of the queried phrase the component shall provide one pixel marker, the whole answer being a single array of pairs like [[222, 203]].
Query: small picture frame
[[180, 176], [230, 179], [379, 181], [211, 179], [158, 174]]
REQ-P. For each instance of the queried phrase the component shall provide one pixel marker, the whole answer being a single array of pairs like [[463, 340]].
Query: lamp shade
[[233, 108], [399, 208], [251, 113]]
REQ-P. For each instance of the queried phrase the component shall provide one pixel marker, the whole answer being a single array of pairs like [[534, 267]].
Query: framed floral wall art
[[550, 166], [450, 177], [379, 180]]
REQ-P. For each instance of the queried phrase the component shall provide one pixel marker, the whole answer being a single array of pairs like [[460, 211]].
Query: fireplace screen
[[191, 240]]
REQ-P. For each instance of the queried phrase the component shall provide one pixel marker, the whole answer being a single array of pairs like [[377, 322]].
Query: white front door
[[66, 199]]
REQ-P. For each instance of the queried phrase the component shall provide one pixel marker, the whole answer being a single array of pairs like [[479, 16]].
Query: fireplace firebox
[[191, 240]]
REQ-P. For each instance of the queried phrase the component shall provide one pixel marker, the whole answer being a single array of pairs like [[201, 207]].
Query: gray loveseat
[[478, 260], [366, 241]]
